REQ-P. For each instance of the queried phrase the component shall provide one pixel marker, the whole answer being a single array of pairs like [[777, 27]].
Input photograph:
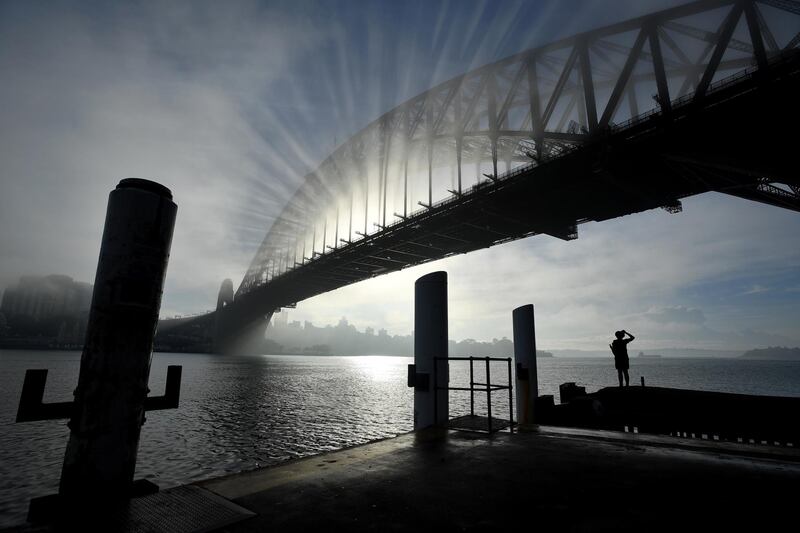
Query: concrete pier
[[562, 479], [543, 477]]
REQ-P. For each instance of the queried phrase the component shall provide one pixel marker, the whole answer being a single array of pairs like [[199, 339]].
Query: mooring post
[[109, 406], [430, 341], [525, 358]]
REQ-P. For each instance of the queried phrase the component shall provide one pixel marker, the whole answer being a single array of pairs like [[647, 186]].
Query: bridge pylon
[[239, 329]]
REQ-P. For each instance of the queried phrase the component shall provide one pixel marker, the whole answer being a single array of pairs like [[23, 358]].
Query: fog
[[231, 104]]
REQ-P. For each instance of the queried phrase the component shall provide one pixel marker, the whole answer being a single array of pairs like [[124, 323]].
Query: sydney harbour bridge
[[614, 121]]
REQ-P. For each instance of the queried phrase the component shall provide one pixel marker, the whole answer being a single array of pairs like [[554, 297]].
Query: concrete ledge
[[759, 451]]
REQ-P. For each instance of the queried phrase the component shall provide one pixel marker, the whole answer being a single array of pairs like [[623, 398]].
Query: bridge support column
[[527, 384], [238, 329], [108, 413], [238, 333], [431, 407]]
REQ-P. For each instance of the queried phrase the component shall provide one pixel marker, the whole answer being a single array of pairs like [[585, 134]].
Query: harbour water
[[239, 413]]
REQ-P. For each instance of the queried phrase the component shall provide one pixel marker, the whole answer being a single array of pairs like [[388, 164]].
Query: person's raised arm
[[629, 335]]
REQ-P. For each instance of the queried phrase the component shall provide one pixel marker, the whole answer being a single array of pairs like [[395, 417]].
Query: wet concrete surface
[[560, 479]]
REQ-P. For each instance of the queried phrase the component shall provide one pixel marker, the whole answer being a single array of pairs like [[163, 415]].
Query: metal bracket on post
[[172, 392], [522, 372], [418, 380], [32, 408]]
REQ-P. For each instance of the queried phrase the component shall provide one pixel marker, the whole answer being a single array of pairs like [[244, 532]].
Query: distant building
[[46, 297], [281, 318], [48, 309]]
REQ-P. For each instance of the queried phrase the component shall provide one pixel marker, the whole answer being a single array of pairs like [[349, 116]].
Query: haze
[[231, 104]]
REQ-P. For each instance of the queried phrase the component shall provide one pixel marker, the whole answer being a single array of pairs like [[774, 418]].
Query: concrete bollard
[[527, 384], [568, 391], [108, 413], [431, 407]]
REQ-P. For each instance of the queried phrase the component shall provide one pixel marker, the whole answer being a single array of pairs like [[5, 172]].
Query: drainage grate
[[186, 509]]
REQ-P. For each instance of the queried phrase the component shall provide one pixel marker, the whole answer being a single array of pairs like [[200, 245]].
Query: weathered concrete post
[[525, 358], [430, 340], [115, 366]]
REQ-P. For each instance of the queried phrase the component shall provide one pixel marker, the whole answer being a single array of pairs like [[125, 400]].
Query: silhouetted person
[[619, 347]]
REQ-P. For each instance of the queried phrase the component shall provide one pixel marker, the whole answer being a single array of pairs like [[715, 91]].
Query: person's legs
[[619, 375], [627, 378]]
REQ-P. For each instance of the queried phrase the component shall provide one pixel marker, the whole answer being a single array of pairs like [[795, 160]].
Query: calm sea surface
[[239, 413]]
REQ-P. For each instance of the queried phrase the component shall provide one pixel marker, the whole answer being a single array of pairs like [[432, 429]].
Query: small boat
[[648, 355]]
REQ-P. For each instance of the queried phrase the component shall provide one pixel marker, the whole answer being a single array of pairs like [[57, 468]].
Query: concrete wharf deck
[[559, 479]]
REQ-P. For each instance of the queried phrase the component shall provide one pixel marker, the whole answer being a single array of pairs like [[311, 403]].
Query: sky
[[230, 104]]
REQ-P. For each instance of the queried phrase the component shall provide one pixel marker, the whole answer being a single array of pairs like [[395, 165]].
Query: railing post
[[471, 386], [430, 341], [510, 399], [525, 358], [489, 393], [100, 459]]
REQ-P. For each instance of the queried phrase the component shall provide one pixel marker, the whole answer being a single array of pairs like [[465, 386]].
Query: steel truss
[[519, 113]]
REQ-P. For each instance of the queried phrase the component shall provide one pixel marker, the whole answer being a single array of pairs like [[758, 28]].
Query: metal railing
[[487, 387]]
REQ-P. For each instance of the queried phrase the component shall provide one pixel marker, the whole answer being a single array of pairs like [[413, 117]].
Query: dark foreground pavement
[[559, 479]]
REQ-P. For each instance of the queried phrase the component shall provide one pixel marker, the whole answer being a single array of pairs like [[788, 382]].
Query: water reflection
[[236, 413]]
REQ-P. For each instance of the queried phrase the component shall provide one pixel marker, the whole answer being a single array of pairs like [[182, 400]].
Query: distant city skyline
[[54, 309], [346, 338], [231, 104]]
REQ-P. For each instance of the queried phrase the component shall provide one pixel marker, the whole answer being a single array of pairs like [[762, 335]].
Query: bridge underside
[[733, 141]]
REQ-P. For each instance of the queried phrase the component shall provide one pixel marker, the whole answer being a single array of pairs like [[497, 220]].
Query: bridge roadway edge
[[572, 479]]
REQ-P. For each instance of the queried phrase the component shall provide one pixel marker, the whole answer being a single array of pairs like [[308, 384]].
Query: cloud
[[675, 315], [756, 289]]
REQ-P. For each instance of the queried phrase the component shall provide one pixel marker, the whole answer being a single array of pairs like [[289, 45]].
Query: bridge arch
[[547, 124]]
